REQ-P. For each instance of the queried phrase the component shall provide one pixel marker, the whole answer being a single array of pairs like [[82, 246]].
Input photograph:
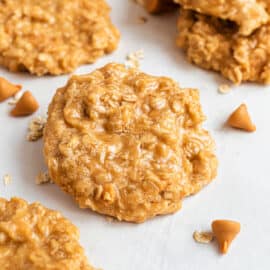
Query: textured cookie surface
[[127, 144], [248, 14], [54, 36], [33, 237], [215, 44]]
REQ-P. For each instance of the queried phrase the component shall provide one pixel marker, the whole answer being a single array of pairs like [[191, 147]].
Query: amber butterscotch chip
[[8, 89], [240, 119], [225, 232], [33, 237], [54, 36], [127, 144], [215, 44], [25, 106]]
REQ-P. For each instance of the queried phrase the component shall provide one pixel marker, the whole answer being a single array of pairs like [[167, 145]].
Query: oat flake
[[7, 179], [35, 128], [203, 237], [43, 178]]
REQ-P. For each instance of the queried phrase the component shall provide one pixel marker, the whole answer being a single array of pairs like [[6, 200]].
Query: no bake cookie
[[33, 237], [54, 36], [215, 44], [127, 144]]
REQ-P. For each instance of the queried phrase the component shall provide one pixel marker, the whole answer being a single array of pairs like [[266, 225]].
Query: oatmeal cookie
[[33, 237], [248, 14], [214, 44], [127, 144], [54, 36]]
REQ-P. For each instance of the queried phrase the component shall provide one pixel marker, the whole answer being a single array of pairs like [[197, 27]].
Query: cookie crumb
[[43, 178], [25, 106], [15, 98], [203, 237], [133, 59], [110, 219], [7, 179], [143, 20], [8, 89], [35, 128], [224, 89]]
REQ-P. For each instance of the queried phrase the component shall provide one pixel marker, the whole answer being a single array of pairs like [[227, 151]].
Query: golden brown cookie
[[248, 14], [33, 237], [127, 144], [215, 44], [54, 36]]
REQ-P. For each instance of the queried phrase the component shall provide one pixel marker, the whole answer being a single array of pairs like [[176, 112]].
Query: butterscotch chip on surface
[[33, 237], [225, 232], [127, 144], [8, 89], [240, 119], [54, 36], [25, 106], [248, 14], [215, 44]]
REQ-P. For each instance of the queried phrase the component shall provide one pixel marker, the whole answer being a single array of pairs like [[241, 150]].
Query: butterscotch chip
[[225, 232], [25, 106], [127, 144], [8, 89], [34, 237], [241, 119], [248, 14], [215, 44], [54, 37]]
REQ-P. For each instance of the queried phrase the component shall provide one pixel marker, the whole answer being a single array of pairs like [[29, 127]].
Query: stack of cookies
[[231, 37]]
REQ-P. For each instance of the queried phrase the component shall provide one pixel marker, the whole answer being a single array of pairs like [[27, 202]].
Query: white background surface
[[241, 190]]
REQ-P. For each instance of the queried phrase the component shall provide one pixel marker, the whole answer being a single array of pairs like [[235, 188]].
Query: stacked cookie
[[231, 37]]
